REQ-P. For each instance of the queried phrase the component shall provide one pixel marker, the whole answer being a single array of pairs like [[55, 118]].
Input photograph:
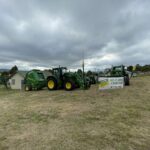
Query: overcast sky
[[48, 33]]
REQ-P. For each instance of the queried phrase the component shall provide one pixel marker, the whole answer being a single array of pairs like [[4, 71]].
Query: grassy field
[[77, 120]]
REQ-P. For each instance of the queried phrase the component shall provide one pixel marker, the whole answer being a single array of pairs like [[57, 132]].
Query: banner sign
[[110, 82]]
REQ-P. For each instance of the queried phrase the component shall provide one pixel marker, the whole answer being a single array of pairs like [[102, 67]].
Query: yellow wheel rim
[[68, 85], [51, 84]]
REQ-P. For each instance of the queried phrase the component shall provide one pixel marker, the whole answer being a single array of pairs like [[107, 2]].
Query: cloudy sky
[[48, 33]]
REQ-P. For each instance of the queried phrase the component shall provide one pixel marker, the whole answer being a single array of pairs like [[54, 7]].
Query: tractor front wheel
[[51, 84]]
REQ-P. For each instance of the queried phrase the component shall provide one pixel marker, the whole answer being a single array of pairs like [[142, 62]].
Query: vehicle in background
[[120, 71], [117, 71]]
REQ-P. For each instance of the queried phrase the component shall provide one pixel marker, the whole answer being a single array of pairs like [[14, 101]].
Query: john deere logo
[[104, 83]]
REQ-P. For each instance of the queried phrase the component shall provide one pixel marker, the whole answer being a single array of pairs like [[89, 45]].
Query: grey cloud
[[51, 33]]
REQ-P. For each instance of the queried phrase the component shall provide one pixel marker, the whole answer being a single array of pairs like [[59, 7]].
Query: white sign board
[[110, 82]]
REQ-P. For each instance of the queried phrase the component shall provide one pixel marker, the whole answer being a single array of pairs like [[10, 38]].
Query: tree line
[[138, 67]]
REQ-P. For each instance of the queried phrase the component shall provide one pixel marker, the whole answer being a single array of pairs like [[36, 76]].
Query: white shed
[[17, 80]]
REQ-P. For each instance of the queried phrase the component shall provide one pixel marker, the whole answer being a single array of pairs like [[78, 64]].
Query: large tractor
[[61, 78], [119, 71], [34, 80]]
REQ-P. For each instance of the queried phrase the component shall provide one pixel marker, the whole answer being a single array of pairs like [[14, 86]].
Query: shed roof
[[22, 73]]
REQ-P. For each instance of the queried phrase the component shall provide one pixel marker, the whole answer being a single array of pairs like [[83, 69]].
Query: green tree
[[5, 74], [146, 68], [79, 71], [4, 78], [13, 70], [138, 67], [130, 68], [89, 73]]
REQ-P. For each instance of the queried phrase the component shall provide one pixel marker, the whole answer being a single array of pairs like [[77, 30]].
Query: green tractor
[[60, 78], [119, 71], [34, 80]]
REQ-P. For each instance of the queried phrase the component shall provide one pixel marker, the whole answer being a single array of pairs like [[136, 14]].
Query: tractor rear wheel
[[52, 84], [69, 85]]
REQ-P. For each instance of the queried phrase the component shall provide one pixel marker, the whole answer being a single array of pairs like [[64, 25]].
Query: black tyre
[[69, 85], [126, 80], [51, 84]]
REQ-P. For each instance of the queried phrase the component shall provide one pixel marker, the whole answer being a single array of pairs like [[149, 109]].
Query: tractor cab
[[59, 71], [118, 71]]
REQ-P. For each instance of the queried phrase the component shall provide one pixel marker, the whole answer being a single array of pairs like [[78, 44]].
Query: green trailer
[[34, 80]]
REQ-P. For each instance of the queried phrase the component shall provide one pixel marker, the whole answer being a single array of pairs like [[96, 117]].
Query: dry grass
[[77, 120]]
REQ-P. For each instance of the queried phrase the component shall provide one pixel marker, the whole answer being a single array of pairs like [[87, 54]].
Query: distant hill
[[2, 70]]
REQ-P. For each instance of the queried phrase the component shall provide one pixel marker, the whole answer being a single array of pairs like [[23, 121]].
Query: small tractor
[[60, 78], [119, 71], [34, 80]]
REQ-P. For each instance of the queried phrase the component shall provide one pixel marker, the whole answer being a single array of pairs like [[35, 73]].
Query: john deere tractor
[[60, 78], [119, 71]]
